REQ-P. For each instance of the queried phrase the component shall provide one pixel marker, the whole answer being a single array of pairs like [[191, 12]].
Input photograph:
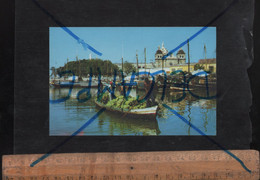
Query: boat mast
[[55, 73], [137, 68], [188, 56], [107, 70], [122, 64], [122, 59], [77, 67], [67, 64], [79, 70], [77, 63], [205, 51], [145, 59]]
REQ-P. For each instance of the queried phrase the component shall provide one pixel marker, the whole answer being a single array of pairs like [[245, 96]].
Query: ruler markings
[[141, 165], [128, 177], [133, 157]]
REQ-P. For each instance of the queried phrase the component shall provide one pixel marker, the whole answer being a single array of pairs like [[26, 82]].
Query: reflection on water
[[69, 116]]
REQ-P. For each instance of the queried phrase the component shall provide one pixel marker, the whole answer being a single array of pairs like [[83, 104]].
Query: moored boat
[[149, 112], [180, 88], [65, 84]]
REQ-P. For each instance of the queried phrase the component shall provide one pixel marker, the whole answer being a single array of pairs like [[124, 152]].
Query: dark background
[[31, 101]]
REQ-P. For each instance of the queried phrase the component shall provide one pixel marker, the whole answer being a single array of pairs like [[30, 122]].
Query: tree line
[[83, 67]]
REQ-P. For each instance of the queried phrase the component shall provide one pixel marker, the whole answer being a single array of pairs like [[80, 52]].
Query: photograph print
[[132, 81]]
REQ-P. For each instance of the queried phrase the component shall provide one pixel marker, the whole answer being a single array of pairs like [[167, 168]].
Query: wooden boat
[[149, 112], [65, 84], [204, 86], [75, 84], [179, 88]]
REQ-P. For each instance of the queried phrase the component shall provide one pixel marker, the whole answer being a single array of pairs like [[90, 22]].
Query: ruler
[[165, 165]]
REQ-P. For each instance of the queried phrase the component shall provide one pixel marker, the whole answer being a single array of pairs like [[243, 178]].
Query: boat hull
[[68, 85], [180, 89], [149, 113]]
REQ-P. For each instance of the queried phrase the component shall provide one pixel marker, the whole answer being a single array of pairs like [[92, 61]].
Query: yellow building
[[209, 64], [183, 67]]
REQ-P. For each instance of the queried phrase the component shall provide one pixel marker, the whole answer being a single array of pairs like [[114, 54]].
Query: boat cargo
[[149, 112]]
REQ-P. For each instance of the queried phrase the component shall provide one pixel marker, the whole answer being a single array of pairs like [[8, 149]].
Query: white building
[[170, 60]]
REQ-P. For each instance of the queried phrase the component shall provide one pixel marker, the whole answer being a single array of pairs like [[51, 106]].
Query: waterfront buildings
[[183, 67], [172, 63], [208, 64], [170, 60]]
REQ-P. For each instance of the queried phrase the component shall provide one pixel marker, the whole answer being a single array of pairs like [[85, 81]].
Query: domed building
[[171, 60]]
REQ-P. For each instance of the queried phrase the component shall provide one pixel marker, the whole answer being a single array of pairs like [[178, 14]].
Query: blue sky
[[115, 42]]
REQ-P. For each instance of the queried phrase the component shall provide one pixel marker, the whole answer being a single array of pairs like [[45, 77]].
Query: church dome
[[180, 52], [158, 51]]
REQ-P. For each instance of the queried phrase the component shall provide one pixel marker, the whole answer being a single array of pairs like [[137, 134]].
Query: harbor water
[[67, 117]]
